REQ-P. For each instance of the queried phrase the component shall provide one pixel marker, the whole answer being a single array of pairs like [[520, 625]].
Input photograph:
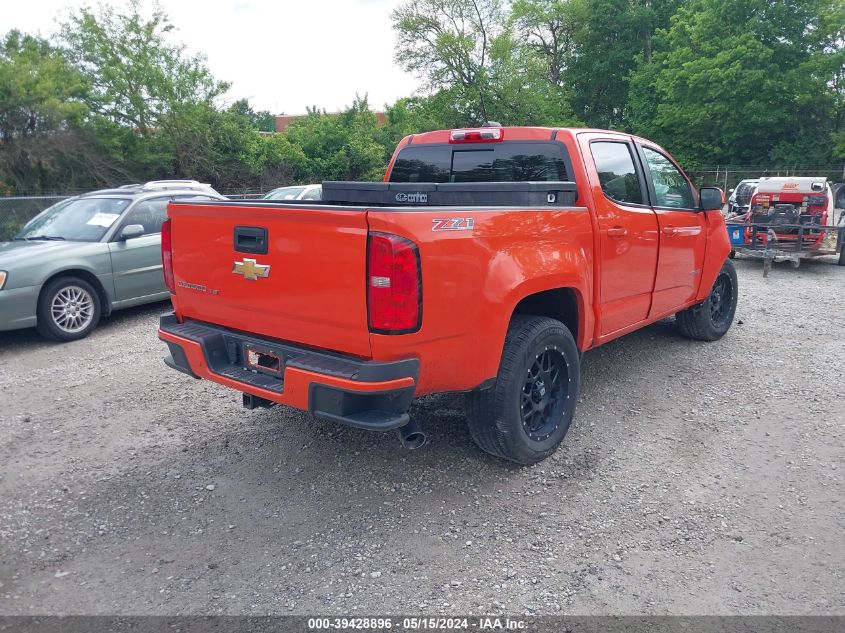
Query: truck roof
[[514, 133]]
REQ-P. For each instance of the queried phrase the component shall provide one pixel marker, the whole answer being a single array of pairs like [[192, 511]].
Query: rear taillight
[[394, 286], [167, 255]]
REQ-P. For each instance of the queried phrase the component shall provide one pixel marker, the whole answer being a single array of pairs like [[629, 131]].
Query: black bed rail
[[457, 194]]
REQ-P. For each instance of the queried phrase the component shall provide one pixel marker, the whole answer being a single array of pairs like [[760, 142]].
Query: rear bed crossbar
[[433, 194]]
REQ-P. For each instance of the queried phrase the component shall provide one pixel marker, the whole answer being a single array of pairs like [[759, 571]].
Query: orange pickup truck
[[487, 262]]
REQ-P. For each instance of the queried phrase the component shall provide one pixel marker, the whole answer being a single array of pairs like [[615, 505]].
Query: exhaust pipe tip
[[411, 436], [413, 441]]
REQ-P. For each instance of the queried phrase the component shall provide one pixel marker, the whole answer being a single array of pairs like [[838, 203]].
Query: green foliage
[[451, 43], [206, 144], [114, 98], [746, 82], [44, 142], [136, 77], [261, 120], [340, 147], [275, 160], [482, 63], [609, 39], [553, 62], [39, 90]]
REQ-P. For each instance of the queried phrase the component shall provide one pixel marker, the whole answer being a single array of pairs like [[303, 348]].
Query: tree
[[44, 145], [275, 160], [475, 66], [261, 120], [546, 27], [40, 91], [449, 42], [206, 144], [136, 76], [610, 39], [745, 81], [340, 146]]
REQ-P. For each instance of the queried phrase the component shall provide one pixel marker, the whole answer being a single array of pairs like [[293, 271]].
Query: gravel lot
[[697, 479]]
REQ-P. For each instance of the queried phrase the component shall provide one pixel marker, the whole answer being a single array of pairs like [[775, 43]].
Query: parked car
[[838, 192], [740, 197], [790, 219], [296, 192], [487, 262], [88, 255]]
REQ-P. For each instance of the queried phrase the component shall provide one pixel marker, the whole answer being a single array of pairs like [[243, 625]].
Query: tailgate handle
[[251, 239]]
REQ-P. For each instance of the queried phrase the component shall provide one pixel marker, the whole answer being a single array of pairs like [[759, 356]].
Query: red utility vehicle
[[790, 219], [486, 263]]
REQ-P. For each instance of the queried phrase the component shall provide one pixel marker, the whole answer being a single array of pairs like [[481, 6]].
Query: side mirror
[[131, 230], [712, 198]]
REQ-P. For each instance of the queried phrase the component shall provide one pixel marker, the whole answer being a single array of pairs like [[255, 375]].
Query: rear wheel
[[711, 319], [842, 249], [526, 414], [68, 309]]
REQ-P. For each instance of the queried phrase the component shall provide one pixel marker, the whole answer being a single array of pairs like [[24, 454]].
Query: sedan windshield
[[285, 193], [82, 220]]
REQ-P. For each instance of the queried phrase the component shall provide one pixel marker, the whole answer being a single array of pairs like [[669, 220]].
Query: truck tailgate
[[314, 291]]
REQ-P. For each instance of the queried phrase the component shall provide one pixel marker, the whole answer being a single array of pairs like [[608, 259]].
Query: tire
[[711, 319], [68, 309], [842, 248], [519, 419]]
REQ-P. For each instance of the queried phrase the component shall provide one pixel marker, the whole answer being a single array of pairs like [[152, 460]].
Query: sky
[[282, 55]]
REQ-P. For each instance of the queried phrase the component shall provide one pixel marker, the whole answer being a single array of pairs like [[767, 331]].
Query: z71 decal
[[453, 224]]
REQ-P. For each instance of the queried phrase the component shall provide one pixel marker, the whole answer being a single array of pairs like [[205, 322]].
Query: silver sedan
[[86, 256]]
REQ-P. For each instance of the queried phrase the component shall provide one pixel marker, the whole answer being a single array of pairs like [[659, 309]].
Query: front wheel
[[711, 319], [525, 415], [68, 309]]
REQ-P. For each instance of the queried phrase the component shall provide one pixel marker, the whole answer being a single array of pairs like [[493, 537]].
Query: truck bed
[[298, 271]]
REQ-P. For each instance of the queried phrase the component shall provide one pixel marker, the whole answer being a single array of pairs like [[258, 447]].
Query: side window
[[149, 214], [617, 174], [314, 194], [671, 189]]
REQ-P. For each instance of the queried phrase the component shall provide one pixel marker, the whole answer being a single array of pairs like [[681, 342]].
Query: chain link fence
[[727, 177], [15, 211]]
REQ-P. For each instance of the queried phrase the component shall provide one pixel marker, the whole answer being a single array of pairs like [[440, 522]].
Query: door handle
[[251, 239], [617, 231], [670, 230]]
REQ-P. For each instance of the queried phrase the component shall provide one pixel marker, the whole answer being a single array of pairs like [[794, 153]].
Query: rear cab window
[[512, 161]]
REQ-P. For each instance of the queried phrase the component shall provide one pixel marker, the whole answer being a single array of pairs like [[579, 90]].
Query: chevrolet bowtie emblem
[[251, 269]]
